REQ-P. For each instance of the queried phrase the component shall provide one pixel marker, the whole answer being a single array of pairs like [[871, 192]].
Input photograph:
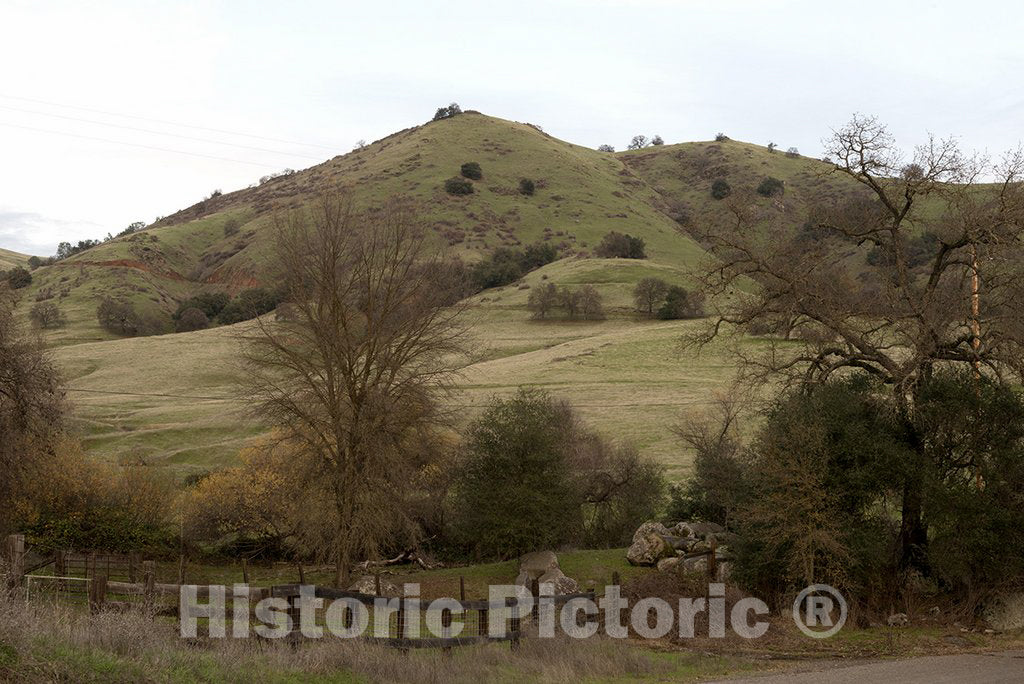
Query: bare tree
[[32, 408], [355, 373], [898, 315], [638, 142], [590, 303], [543, 299], [648, 294]]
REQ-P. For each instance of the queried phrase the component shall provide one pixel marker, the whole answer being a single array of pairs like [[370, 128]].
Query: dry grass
[[45, 642]]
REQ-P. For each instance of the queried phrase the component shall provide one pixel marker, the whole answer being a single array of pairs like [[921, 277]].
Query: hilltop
[[9, 259]]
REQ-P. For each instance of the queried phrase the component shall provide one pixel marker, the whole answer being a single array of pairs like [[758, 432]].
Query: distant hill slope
[[9, 259]]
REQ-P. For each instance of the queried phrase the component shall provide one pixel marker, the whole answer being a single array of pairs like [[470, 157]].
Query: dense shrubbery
[[506, 265], [121, 318], [17, 277], [720, 189], [533, 477], [191, 319], [249, 304], [681, 304], [472, 171], [527, 186], [770, 187], [447, 112], [621, 245], [210, 303], [458, 186]]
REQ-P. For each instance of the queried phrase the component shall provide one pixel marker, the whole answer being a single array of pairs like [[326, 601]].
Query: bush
[[792, 153], [34, 262], [249, 304], [721, 137], [624, 246], [47, 315], [526, 186], [771, 147], [506, 265], [231, 227], [638, 142], [605, 148], [120, 318], [720, 189], [771, 187], [472, 170], [18, 277], [681, 304], [191, 319], [210, 303], [656, 140], [458, 186]]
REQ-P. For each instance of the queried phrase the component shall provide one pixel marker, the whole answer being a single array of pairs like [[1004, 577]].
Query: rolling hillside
[[171, 399], [9, 259]]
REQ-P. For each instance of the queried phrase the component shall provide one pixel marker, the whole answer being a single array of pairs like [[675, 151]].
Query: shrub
[[231, 227], [605, 148], [249, 304], [458, 186], [34, 262], [771, 187], [191, 319], [18, 277], [624, 246], [47, 315], [656, 140], [472, 170], [210, 303], [648, 294], [681, 304], [506, 265], [771, 147], [118, 317], [526, 186], [792, 153], [720, 189], [721, 137]]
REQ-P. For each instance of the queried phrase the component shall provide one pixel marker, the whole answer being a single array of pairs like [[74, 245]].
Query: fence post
[[133, 566], [245, 572], [149, 579], [462, 588], [16, 557], [712, 561], [302, 575], [97, 593], [535, 590], [516, 622]]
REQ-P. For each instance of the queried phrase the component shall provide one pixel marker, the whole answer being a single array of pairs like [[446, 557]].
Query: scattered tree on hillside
[[18, 277], [648, 294], [249, 304], [506, 265], [721, 137], [191, 319], [354, 375], [929, 310], [620, 245], [569, 299], [792, 153], [47, 315], [527, 186], [771, 147], [771, 187], [590, 303], [447, 112], [638, 142], [656, 140], [543, 299], [34, 262], [681, 304], [605, 148]]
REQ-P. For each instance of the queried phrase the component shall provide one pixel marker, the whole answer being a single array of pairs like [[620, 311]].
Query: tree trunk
[[913, 531]]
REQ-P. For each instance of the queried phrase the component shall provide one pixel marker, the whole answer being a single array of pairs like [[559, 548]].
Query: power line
[[165, 121], [130, 144], [149, 130]]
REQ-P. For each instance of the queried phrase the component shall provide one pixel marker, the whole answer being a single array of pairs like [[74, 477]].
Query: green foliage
[[721, 137], [191, 319], [472, 171], [648, 293], [605, 148], [770, 187], [506, 265], [447, 112], [110, 529], [621, 245], [18, 278], [231, 227], [527, 186], [210, 303], [656, 140], [681, 304], [514, 490], [720, 189], [543, 299], [34, 262], [458, 186], [248, 305]]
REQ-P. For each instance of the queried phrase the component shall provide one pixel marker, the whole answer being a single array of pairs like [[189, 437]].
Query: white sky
[[331, 73]]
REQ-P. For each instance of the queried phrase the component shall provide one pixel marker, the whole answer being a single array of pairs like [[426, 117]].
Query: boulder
[[724, 571], [649, 549], [651, 526], [669, 564], [704, 529], [368, 585], [535, 564], [679, 543], [695, 565], [560, 584], [897, 620], [1005, 612]]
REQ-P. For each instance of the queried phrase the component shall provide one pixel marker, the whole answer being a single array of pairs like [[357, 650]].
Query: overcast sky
[[306, 80]]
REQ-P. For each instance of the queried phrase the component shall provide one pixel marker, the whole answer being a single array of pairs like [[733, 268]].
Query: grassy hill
[[172, 399], [9, 259]]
